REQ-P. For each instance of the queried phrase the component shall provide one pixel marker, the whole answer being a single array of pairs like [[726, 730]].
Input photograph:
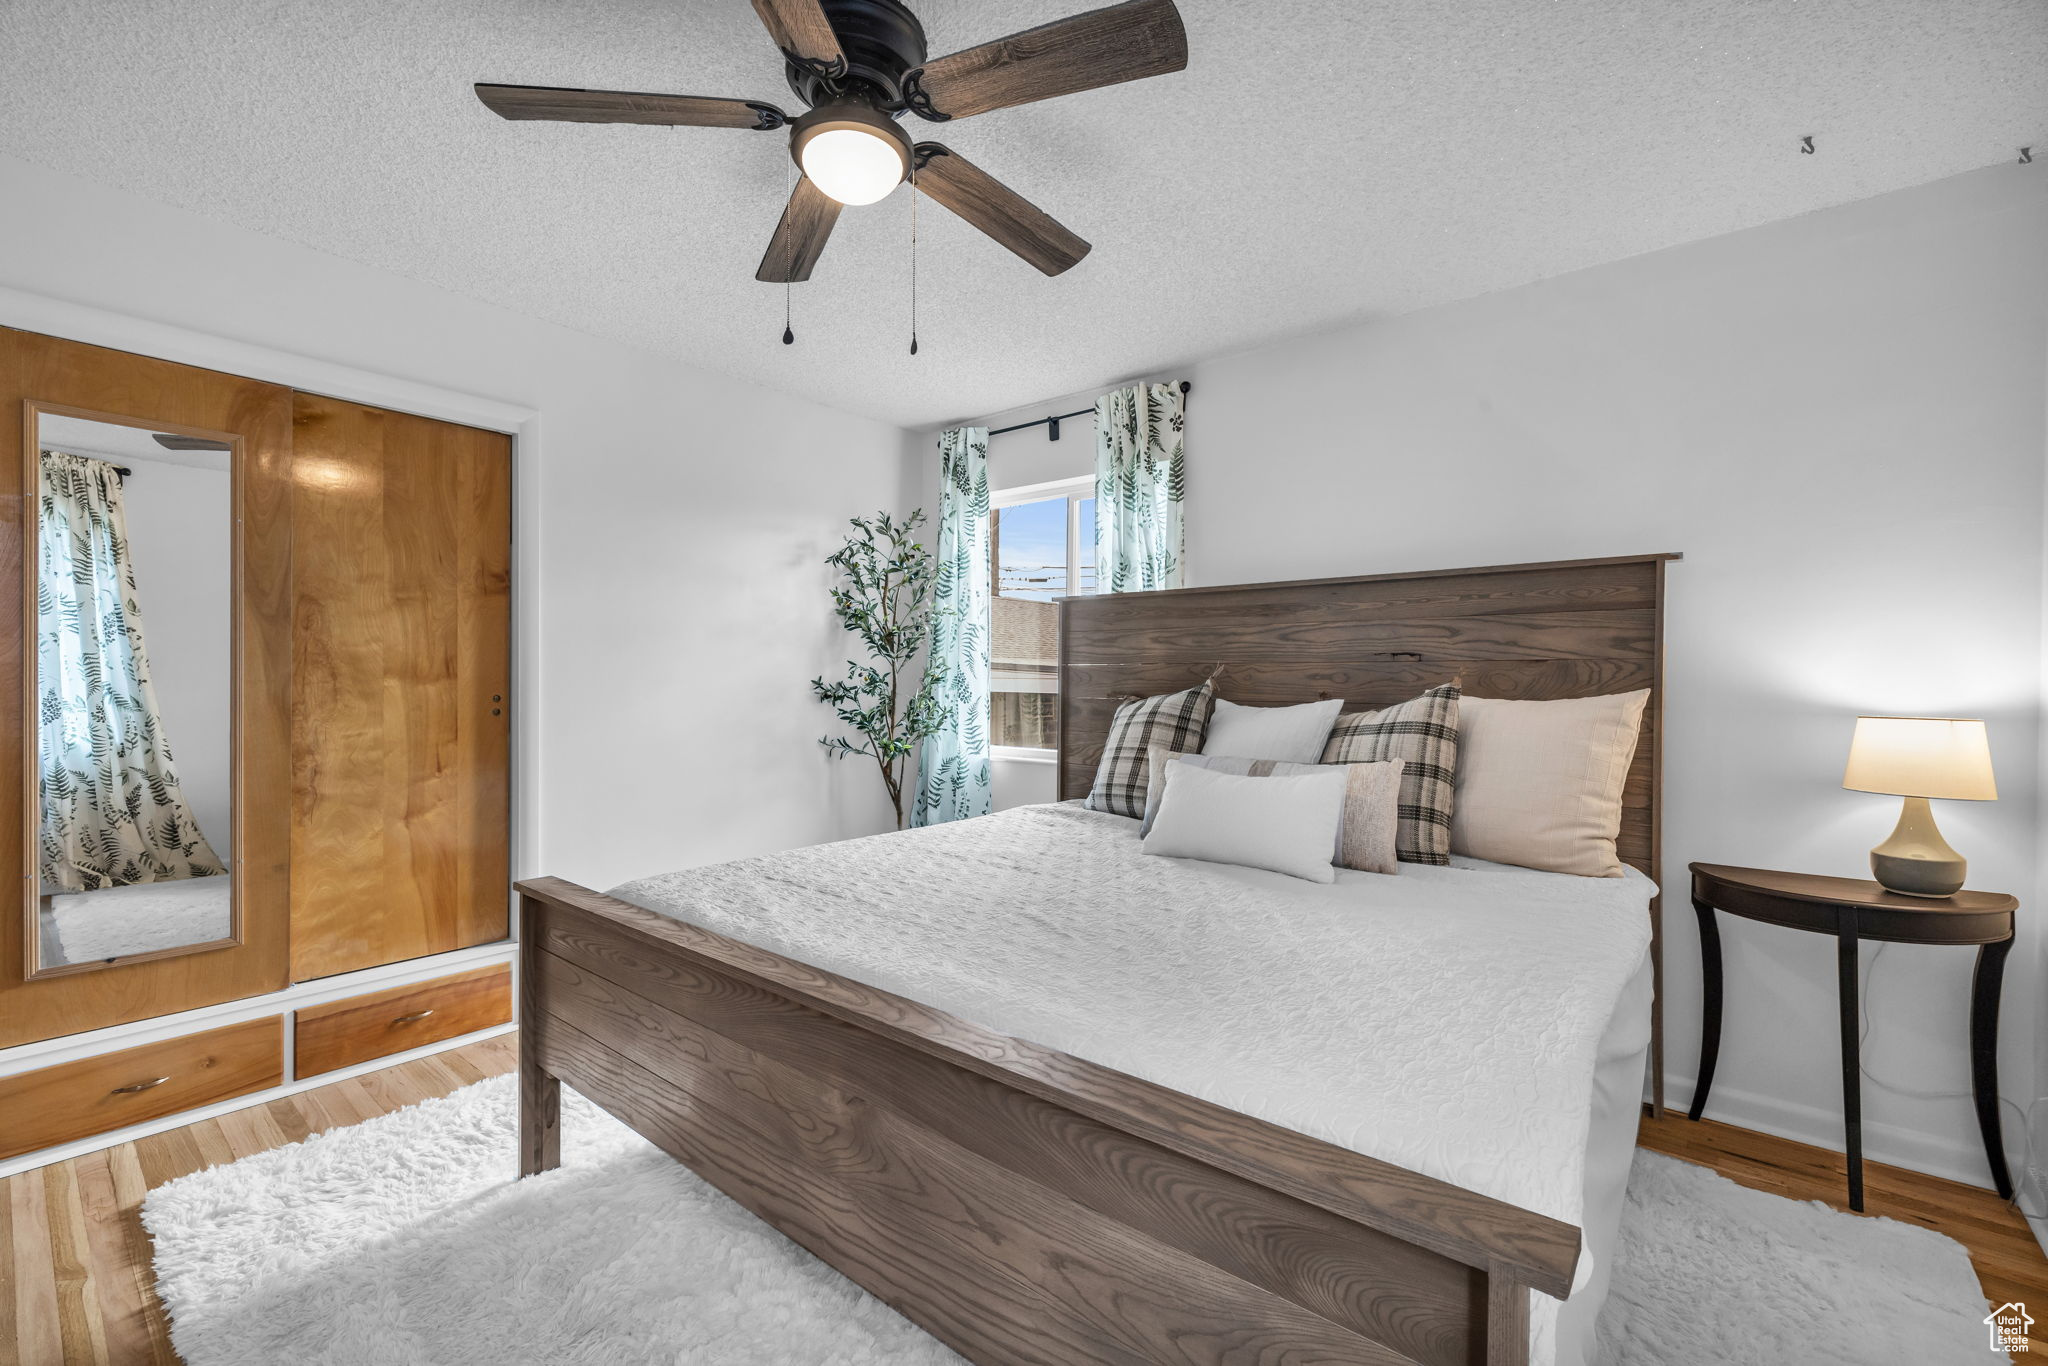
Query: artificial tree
[[885, 597]]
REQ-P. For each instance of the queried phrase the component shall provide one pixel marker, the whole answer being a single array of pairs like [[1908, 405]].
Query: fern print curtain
[[1140, 485], [953, 767], [112, 812]]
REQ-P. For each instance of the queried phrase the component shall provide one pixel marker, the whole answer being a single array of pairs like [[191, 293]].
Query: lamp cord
[[2025, 1113]]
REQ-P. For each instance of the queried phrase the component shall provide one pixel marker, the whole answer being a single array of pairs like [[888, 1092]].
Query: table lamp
[[1918, 757]]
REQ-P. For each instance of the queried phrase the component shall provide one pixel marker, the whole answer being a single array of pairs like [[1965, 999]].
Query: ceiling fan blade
[[1125, 42], [996, 209], [625, 106], [800, 236], [800, 29], [189, 443]]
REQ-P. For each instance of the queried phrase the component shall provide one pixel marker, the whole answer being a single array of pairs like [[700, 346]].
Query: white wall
[[1839, 420], [678, 520], [2034, 1181], [181, 542]]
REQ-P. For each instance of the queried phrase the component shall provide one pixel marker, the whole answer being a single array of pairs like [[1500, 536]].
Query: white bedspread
[[1445, 1019]]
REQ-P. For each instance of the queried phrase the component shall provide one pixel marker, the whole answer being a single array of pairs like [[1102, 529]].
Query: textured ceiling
[[1320, 161]]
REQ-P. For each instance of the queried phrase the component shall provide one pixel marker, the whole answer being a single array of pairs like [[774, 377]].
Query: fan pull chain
[[788, 248], [913, 252]]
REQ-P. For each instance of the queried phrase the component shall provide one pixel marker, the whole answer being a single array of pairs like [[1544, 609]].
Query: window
[[1042, 548]]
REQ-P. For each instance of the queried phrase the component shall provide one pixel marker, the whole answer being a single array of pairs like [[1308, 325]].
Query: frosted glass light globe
[[853, 166]]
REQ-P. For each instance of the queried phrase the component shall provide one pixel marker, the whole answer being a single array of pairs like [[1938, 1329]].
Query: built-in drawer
[[74, 1100], [360, 1028]]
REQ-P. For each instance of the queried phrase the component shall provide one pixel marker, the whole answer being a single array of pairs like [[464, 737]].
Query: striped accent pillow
[[1422, 732], [1372, 795], [1178, 720]]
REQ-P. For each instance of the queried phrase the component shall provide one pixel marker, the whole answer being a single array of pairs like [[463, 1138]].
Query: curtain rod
[[121, 470], [1052, 424]]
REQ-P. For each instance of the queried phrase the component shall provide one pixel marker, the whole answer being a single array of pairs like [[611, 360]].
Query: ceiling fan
[[860, 65]]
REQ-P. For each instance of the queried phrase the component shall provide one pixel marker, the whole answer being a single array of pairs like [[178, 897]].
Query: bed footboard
[[1020, 1204]]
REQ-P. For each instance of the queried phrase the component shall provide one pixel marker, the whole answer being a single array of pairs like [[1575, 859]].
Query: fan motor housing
[[882, 40]]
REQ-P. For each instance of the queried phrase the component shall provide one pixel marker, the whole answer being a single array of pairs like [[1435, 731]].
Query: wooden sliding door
[[247, 424], [401, 686]]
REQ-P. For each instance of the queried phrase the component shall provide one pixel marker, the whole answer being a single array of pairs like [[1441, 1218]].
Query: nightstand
[[1852, 909]]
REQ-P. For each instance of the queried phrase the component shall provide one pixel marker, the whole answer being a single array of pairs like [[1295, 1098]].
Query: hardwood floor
[[2009, 1261], [76, 1284]]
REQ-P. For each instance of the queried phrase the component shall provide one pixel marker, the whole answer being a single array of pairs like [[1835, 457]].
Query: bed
[[1047, 1138]]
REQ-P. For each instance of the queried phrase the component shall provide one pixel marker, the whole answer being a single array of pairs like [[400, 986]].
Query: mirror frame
[[32, 957]]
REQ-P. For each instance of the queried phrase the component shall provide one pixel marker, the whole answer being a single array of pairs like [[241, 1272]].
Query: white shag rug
[[404, 1240], [1710, 1271], [90, 927]]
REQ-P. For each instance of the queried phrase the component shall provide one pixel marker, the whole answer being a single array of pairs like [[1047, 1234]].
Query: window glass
[[1086, 573], [1044, 549], [1031, 570], [1031, 550]]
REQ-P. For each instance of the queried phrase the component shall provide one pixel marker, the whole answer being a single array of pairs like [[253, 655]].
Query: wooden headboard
[[1571, 628]]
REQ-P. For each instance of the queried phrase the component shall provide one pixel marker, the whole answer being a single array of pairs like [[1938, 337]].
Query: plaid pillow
[[1176, 720], [1423, 731]]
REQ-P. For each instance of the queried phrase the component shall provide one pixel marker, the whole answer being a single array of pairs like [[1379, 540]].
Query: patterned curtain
[[112, 811], [953, 771], [1140, 484]]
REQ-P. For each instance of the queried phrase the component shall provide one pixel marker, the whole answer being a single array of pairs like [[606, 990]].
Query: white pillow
[[1539, 784], [1294, 735], [1372, 801], [1286, 824]]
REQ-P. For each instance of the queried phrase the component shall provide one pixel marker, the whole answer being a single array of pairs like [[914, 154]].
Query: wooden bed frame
[[1026, 1206]]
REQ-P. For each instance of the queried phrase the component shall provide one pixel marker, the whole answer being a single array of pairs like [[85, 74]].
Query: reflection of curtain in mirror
[[112, 811]]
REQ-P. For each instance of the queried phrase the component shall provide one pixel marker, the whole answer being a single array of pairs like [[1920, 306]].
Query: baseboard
[[1956, 1159], [2033, 1195]]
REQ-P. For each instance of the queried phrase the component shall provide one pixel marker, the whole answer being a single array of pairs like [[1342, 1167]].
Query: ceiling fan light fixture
[[855, 154], [863, 64]]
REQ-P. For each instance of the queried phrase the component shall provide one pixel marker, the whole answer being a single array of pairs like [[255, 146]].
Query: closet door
[[401, 565], [46, 382]]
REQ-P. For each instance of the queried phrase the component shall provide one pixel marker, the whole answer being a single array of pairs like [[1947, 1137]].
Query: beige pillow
[[1372, 801], [1539, 784]]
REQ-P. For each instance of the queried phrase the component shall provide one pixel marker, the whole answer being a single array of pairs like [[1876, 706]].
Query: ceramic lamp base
[[1916, 860]]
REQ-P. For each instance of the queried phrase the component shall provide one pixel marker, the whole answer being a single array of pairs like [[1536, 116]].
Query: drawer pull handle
[[413, 1018], [135, 1086]]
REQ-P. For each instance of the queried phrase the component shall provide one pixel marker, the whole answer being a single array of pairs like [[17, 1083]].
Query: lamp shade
[[1921, 756], [851, 151]]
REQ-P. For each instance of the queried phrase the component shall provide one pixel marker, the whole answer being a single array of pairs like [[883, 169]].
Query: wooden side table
[[1852, 909]]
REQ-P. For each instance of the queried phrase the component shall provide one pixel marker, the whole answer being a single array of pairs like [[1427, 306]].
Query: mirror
[[131, 690]]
